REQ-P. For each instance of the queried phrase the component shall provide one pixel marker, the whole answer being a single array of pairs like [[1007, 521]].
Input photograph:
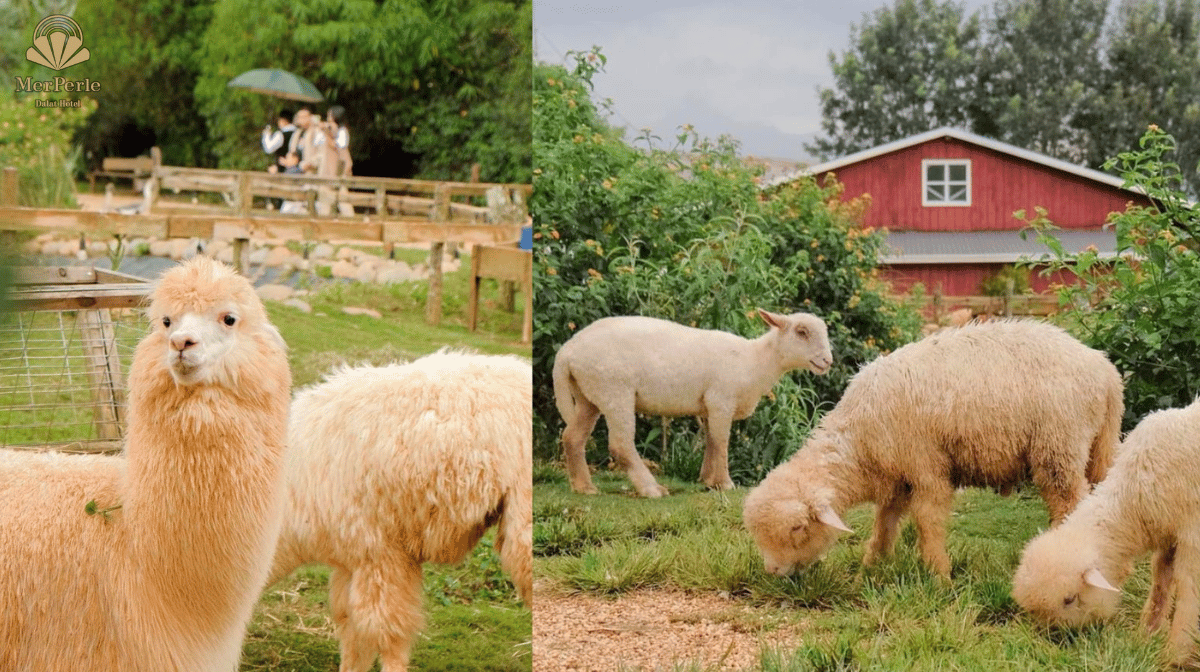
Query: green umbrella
[[278, 83]]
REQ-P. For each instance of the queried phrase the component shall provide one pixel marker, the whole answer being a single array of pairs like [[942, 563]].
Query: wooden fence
[[398, 211]]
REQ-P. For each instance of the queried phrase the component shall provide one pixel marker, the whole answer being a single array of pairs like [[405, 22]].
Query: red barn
[[946, 199]]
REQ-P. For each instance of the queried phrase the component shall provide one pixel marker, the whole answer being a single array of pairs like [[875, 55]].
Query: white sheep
[[165, 574], [985, 405], [391, 467], [620, 366], [1150, 502]]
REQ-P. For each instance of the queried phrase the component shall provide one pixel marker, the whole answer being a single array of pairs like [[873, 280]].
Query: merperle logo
[[58, 43]]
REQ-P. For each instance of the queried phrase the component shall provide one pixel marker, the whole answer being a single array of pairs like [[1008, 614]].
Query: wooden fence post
[[9, 190], [241, 246], [441, 215]]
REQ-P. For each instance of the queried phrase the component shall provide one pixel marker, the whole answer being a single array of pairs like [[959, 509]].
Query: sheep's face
[[1058, 583], [209, 325], [790, 533], [803, 341]]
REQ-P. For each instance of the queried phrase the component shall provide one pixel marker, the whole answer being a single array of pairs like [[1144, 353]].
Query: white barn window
[[945, 182]]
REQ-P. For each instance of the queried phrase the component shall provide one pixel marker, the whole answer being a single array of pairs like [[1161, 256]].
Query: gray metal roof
[[987, 247]]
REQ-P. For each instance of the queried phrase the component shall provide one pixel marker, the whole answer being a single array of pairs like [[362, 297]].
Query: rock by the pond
[[298, 304], [344, 269], [278, 256], [356, 310], [160, 248], [258, 257], [321, 251], [346, 254], [274, 292], [401, 272], [365, 274]]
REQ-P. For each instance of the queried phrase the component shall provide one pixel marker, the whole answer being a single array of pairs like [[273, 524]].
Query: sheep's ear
[[1095, 579], [830, 517], [772, 320]]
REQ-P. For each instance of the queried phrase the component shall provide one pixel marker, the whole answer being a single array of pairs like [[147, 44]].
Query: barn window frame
[[950, 189]]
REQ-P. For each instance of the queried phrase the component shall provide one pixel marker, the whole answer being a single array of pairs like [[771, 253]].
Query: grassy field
[[894, 616]]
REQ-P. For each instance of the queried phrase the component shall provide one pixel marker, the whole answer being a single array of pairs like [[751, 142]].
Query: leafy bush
[[684, 233], [37, 142], [1141, 307]]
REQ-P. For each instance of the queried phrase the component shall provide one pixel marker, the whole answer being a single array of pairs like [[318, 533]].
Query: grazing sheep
[[983, 405], [165, 575], [1150, 502], [619, 366], [391, 467]]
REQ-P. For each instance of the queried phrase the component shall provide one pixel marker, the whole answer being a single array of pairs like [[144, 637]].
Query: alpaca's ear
[[273, 334]]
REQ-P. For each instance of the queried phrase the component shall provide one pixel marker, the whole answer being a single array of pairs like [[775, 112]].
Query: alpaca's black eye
[[230, 320], [167, 322], [1069, 601]]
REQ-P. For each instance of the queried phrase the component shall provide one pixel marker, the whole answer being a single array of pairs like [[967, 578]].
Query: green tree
[[909, 69], [146, 57], [1039, 74], [1152, 76]]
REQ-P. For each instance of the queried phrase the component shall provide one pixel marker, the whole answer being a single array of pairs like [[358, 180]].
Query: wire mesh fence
[[62, 377], [65, 350]]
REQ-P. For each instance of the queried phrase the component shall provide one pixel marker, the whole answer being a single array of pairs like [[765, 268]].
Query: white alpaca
[[391, 467], [168, 580]]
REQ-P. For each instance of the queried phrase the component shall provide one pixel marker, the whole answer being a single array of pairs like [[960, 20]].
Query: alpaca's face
[[200, 345]]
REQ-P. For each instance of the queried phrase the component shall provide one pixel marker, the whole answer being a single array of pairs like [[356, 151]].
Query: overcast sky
[[750, 71]]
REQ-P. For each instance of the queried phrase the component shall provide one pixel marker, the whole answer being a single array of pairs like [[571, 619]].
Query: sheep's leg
[[575, 438], [1158, 603], [931, 504], [1181, 640], [714, 471], [624, 452], [1061, 488], [887, 524]]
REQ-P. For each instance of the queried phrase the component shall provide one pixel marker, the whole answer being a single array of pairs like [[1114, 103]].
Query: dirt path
[[651, 630]]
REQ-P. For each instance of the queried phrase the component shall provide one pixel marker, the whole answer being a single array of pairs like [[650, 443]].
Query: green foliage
[[147, 57], [910, 68], [1008, 280], [1140, 308], [1037, 97], [444, 80], [37, 142], [685, 234]]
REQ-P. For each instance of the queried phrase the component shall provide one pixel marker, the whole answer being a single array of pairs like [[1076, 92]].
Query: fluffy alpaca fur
[[394, 466], [1150, 502], [984, 405], [168, 580], [619, 366]]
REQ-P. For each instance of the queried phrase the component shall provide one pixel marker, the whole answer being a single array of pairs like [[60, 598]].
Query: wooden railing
[[399, 211]]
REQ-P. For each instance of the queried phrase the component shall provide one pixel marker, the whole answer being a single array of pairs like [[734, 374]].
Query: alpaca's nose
[[182, 341]]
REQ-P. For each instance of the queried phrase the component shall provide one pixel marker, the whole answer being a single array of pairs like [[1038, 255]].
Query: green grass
[[894, 616]]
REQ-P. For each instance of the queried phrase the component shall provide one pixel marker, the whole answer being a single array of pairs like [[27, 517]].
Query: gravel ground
[[652, 631]]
